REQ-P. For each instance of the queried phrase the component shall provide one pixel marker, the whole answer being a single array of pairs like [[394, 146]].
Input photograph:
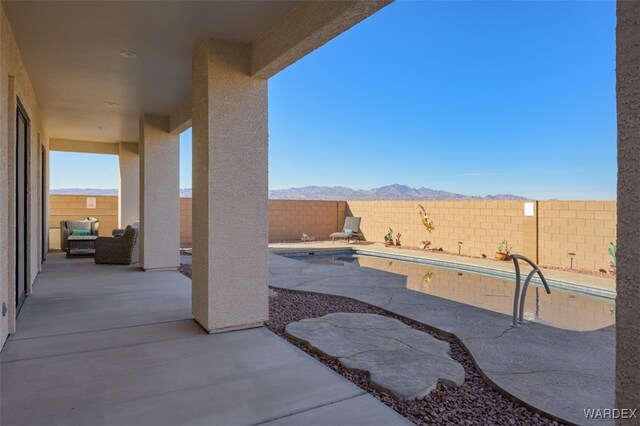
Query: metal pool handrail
[[518, 318]]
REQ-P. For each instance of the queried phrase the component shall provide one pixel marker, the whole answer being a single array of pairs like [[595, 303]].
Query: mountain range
[[389, 192], [83, 191]]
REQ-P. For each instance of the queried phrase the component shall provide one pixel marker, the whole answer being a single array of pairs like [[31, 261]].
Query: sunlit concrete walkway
[[559, 372], [104, 344]]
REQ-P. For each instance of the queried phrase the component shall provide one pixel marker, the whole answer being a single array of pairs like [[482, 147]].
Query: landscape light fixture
[[571, 256], [459, 247]]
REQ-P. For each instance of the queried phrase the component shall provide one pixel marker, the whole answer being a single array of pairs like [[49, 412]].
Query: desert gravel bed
[[473, 403]]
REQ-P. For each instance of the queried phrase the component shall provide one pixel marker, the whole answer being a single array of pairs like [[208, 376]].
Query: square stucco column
[[628, 281], [128, 184], [159, 154], [230, 190]]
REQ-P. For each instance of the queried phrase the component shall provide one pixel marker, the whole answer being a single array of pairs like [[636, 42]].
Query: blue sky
[[470, 97]]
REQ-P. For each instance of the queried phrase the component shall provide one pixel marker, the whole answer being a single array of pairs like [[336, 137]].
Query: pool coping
[[481, 270]]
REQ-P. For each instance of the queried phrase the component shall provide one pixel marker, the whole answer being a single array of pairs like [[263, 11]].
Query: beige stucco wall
[[88, 147], [128, 183], [230, 177], [159, 236], [628, 284], [14, 83], [309, 25]]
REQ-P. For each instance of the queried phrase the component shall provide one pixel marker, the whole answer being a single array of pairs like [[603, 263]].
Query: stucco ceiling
[[72, 54]]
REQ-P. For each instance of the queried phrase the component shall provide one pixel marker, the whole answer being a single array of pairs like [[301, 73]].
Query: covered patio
[[91, 344], [113, 345]]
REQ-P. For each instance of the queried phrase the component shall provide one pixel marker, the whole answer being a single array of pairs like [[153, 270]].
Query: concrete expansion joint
[[293, 413], [578, 373], [13, 339]]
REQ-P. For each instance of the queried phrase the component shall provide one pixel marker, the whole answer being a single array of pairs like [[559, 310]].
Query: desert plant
[[388, 239], [613, 251], [398, 235], [505, 247], [424, 217], [428, 224]]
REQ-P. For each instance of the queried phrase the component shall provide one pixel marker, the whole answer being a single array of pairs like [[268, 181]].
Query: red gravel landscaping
[[473, 403]]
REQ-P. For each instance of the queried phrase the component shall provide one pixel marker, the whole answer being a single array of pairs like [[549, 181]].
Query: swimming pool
[[562, 308]]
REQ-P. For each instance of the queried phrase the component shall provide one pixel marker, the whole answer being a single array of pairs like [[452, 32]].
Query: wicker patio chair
[[117, 250]]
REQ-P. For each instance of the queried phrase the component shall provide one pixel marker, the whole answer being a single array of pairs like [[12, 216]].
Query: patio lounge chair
[[117, 250], [351, 229]]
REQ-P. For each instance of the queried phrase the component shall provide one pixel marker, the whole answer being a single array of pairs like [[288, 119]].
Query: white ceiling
[[71, 52]]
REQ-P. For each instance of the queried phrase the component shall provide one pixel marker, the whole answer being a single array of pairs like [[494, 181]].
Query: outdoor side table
[[82, 240]]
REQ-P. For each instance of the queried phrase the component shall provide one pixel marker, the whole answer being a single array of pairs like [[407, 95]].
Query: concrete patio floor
[[559, 372], [105, 344]]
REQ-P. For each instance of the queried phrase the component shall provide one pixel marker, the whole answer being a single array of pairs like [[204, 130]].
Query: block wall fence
[[556, 229], [74, 207]]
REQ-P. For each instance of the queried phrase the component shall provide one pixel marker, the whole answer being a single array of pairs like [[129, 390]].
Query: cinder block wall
[[558, 227], [289, 219], [74, 207], [581, 227], [479, 225], [185, 222]]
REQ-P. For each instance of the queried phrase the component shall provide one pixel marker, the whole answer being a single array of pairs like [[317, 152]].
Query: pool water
[[562, 308]]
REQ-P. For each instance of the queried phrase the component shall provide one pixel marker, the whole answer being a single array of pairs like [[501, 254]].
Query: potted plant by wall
[[398, 235], [388, 239], [504, 249]]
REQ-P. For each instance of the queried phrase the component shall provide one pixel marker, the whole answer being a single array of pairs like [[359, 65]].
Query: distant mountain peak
[[394, 191]]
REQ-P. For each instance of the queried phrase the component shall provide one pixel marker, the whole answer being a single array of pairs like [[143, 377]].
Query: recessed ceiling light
[[110, 103], [129, 55]]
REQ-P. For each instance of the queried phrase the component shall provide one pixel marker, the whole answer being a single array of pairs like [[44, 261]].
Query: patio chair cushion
[[84, 225]]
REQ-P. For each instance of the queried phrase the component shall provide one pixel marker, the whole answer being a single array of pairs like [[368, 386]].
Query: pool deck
[[112, 345], [555, 371]]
